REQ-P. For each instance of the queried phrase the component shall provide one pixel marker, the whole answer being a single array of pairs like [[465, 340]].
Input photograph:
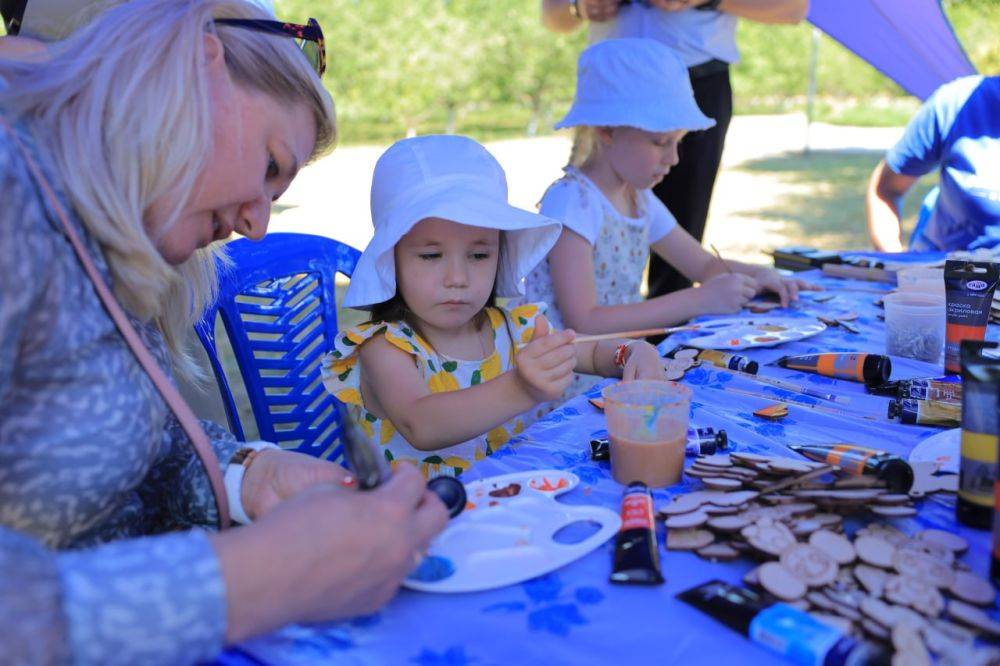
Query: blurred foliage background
[[490, 69]]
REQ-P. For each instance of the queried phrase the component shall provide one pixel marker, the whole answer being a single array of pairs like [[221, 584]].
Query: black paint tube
[[792, 633], [900, 388], [700, 442], [637, 559], [968, 287], [978, 464]]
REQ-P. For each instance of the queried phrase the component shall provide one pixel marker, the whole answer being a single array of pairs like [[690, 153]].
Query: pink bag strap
[[189, 422]]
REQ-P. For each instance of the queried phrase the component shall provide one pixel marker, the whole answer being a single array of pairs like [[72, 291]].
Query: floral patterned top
[[104, 554], [342, 378], [621, 247]]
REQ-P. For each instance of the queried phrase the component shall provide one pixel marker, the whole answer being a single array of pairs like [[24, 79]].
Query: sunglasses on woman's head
[[309, 37]]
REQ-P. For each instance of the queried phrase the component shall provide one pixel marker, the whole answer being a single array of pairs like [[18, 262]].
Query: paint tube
[[978, 463], [637, 559], [940, 392], [784, 629], [858, 460], [725, 360], [371, 471], [969, 287], [926, 412], [700, 442], [948, 387], [872, 369]]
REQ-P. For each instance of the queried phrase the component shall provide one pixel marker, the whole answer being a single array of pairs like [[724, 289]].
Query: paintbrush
[[789, 386], [718, 254], [817, 408], [640, 333]]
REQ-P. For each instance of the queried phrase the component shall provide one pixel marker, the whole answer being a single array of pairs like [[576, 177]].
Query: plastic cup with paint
[[647, 426], [914, 325], [921, 279]]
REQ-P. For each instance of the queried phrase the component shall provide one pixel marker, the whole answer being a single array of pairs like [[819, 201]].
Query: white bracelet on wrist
[[233, 479]]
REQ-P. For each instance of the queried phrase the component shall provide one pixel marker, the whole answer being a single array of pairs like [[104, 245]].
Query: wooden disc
[[837, 546], [728, 523], [780, 582], [952, 542], [892, 499], [874, 551], [718, 552], [923, 566], [972, 589], [770, 538], [682, 504], [690, 539], [720, 483], [893, 511], [809, 564], [973, 617], [686, 520], [871, 578], [909, 645]]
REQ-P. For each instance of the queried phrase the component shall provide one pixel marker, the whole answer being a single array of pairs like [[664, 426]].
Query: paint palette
[[942, 449], [508, 534], [758, 332]]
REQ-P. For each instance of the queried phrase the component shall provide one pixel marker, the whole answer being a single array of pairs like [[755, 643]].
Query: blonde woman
[[163, 126]]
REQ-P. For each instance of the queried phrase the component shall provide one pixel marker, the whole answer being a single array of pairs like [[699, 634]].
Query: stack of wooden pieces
[[911, 592]]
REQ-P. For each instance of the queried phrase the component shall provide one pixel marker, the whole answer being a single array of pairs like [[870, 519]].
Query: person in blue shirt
[[957, 132]]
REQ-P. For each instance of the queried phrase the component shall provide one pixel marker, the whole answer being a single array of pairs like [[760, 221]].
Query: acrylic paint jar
[[915, 325], [921, 280], [647, 426]]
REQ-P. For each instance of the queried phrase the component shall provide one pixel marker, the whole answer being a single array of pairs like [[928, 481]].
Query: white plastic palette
[[758, 332], [505, 535], [942, 449]]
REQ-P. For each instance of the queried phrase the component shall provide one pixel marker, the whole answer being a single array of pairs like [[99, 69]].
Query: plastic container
[[647, 426], [921, 280], [914, 325]]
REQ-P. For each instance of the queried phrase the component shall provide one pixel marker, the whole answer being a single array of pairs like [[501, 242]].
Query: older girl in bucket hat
[[633, 105], [441, 376]]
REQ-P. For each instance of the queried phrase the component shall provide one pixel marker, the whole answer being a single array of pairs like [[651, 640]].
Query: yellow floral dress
[[342, 377]]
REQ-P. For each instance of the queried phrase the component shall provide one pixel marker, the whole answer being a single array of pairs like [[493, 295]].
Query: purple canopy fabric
[[910, 41]]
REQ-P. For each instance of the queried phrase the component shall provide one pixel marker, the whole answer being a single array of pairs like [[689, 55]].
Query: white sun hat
[[637, 83], [452, 178]]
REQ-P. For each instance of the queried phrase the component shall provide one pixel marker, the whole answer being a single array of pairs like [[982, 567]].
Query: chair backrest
[[277, 302]]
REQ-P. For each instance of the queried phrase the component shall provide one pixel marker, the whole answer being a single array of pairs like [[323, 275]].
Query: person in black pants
[[687, 189]]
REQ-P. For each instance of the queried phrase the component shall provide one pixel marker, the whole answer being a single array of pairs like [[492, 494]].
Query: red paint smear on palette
[[766, 338]]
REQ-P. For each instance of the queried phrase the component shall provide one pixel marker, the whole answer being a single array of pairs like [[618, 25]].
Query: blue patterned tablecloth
[[573, 615]]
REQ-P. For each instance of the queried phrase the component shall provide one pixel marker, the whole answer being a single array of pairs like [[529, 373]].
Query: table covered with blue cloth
[[574, 615]]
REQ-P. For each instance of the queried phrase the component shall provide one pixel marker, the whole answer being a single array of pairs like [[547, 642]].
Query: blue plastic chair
[[277, 302]]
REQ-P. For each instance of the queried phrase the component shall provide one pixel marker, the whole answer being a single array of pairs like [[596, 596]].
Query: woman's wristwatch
[[235, 470]]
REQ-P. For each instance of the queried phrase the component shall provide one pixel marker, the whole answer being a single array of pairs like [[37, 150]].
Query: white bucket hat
[[456, 179], [634, 83]]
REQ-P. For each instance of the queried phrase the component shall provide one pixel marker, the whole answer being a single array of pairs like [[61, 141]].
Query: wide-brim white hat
[[452, 178], [634, 82]]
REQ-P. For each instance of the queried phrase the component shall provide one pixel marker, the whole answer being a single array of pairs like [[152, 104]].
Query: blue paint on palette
[[433, 569]]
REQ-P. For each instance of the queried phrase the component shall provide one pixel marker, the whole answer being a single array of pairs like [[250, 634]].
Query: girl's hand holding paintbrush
[[545, 366]]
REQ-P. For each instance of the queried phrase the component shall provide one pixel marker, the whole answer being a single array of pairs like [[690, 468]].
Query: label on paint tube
[[969, 287]]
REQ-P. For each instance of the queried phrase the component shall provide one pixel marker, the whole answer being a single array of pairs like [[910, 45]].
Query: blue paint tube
[[794, 634]]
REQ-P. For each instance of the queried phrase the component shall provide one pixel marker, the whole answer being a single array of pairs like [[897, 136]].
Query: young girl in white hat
[[633, 105], [441, 376]]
